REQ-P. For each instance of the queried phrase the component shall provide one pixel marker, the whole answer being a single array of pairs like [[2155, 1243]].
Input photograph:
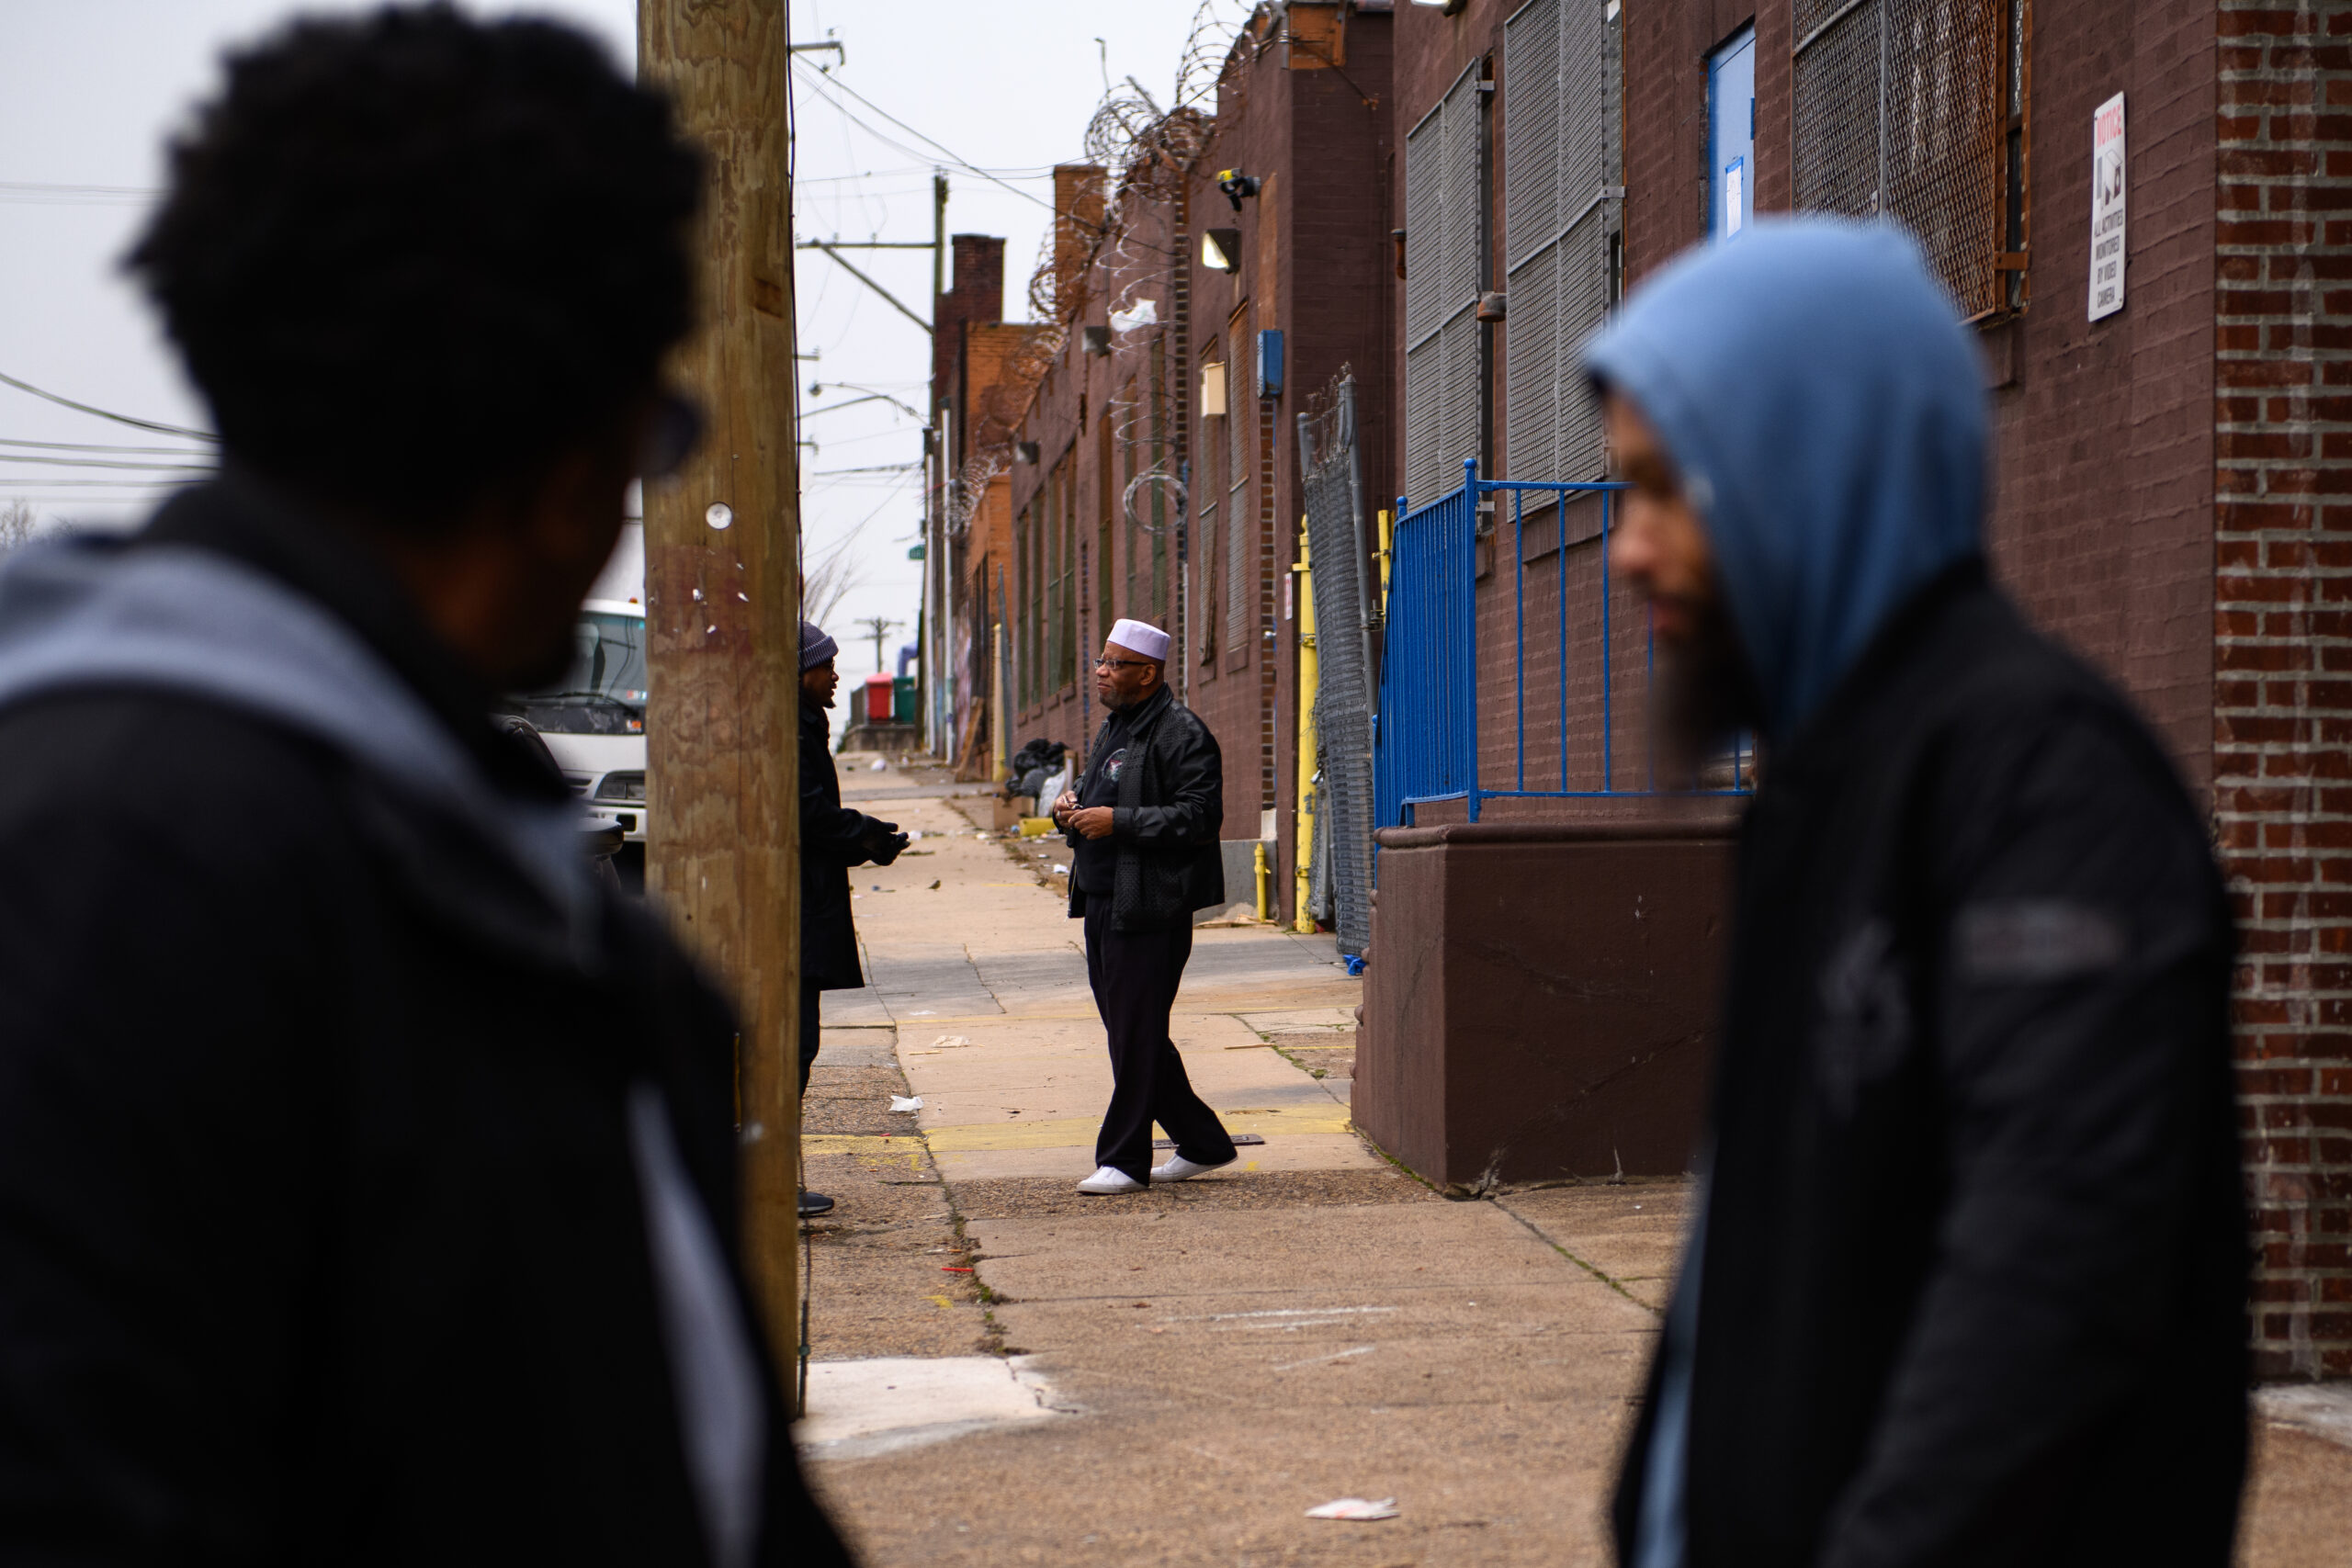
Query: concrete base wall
[[1540, 1000]]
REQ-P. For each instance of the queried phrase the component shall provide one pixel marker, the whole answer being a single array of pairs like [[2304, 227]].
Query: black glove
[[883, 842]]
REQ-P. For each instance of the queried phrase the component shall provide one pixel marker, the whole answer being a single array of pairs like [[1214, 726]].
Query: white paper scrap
[[906, 1103], [1355, 1509]]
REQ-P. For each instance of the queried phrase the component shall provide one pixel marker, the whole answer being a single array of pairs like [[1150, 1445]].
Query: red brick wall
[[2103, 482], [2282, 706]]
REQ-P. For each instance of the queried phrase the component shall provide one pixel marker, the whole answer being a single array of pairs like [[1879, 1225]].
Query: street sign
[[2108, 180]]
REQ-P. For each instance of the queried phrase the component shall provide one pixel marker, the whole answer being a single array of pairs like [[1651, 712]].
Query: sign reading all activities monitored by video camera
[[2108, 180]]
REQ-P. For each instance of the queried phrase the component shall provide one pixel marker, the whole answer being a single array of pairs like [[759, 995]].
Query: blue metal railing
[[1425, 744]]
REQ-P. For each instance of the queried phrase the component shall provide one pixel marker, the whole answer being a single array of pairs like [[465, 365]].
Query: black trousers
[[1134, 976]]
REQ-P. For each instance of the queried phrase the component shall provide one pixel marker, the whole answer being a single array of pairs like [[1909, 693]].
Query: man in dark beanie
[[832, 838], [367, 1172]]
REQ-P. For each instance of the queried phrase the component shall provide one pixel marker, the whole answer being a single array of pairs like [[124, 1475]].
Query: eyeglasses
[[1124, 663]]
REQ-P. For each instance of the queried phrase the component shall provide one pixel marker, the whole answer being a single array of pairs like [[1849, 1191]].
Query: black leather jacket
[[1170, 805]]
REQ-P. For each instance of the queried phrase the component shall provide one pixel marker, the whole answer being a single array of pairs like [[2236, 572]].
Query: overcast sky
[[90, 89]]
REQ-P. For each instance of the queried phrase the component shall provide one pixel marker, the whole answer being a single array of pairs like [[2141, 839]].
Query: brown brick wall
[[2101, 494], [2282, 632]]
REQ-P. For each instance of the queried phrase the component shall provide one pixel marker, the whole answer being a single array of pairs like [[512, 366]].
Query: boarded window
[[1561, 201], [1443, 192], [1902, 107]]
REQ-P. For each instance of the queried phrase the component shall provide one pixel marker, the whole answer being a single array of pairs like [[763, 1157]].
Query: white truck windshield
[[604, 692]]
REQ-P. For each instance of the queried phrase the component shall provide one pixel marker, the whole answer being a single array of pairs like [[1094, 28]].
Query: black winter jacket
[[1975, 1253], [1170, 805], [319, 1233], [832, 838]]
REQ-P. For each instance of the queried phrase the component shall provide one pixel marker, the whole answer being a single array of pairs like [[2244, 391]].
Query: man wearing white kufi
[[1143, 823]]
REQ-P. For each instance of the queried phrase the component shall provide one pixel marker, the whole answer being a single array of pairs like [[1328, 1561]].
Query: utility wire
[[952, 156], [107, 447], [102, 413], [88, 484], [109, 463]]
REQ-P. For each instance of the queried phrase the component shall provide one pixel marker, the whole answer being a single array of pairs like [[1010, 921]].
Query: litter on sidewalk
[[906, 1103], [1355, 1509]]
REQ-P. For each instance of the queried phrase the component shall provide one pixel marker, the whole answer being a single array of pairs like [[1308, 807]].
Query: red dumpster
[[878, 698]]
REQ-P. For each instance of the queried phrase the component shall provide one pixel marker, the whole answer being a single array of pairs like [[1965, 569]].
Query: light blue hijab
[[1826, 409]]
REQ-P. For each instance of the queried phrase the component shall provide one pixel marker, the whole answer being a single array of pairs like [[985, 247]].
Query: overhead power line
[[109, 447], [103, 413], [110, 463], [814, 76]]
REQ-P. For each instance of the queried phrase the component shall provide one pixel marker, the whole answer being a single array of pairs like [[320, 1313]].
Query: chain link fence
[[1901, 110], [1339, 877]]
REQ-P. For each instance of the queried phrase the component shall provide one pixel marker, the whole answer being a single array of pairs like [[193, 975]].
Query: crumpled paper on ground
[[1355, 1509]]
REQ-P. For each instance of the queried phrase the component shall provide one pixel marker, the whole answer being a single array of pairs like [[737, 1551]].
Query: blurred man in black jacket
[[368, 1185], [832, 838], [1142, 821], [1967, 1283]]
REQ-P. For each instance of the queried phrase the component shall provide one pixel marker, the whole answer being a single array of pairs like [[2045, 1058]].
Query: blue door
[[1731, 136]]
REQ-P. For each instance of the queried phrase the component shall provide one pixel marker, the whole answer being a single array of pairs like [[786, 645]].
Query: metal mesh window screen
[[1560, 160], [1900, 110], [1442, 195]]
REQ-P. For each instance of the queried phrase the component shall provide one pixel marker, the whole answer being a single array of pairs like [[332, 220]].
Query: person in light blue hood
[[1968, 1279], [1824, 409]]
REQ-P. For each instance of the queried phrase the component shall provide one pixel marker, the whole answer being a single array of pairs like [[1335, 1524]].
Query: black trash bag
[[1032, 764]]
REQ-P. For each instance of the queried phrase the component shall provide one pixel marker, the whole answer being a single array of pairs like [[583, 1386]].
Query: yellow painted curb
[[1080, 1132], [908, 1145]]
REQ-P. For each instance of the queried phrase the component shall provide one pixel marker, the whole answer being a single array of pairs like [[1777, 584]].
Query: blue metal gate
[[1426, 742]]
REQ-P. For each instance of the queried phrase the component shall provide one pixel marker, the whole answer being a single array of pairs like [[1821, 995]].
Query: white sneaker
[[1107, 1180], [1179, 1169]]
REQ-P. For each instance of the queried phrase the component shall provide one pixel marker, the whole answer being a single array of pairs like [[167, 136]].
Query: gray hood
[[84, 614]]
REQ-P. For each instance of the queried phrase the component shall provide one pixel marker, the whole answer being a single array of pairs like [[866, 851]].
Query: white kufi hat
[[1137, 638]]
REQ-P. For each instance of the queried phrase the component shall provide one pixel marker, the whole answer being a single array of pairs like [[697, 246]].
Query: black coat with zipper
[[1975, 1255], [832, 838], [320, 1238], [1170, 799]]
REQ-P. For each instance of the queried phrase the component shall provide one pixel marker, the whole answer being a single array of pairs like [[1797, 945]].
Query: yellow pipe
[[1265, 879], [1309, 682], [1385, 541]]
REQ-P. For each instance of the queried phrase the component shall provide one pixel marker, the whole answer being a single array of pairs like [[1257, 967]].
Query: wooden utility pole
[[722, 578]]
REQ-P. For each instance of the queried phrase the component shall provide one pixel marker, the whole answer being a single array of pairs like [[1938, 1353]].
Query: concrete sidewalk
[[1008, 1373]]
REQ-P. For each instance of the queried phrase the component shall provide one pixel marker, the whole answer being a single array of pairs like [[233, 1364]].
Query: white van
[[594, 720]]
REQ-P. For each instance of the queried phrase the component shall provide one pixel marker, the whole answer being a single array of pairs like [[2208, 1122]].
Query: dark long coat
[[1975, 1261], [832, 838], [319, 1232]]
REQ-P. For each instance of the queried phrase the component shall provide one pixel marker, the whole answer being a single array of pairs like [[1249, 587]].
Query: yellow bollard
[[1265, 881], [1309, 679]]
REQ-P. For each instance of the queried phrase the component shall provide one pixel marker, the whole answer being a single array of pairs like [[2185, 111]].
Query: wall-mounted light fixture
[[1221, 248], [1446, 8], [1098, 341], [1026, 451], [1235, 185]]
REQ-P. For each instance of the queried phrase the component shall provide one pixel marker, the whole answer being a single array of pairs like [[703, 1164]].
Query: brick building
[[2169, 477], [982, 367], [1154, 469]]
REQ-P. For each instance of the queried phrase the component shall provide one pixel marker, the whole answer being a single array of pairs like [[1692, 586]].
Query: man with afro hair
[[368, 1179]]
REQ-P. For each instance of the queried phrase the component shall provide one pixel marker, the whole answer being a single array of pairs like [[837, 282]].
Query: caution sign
[[2108, 180]]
